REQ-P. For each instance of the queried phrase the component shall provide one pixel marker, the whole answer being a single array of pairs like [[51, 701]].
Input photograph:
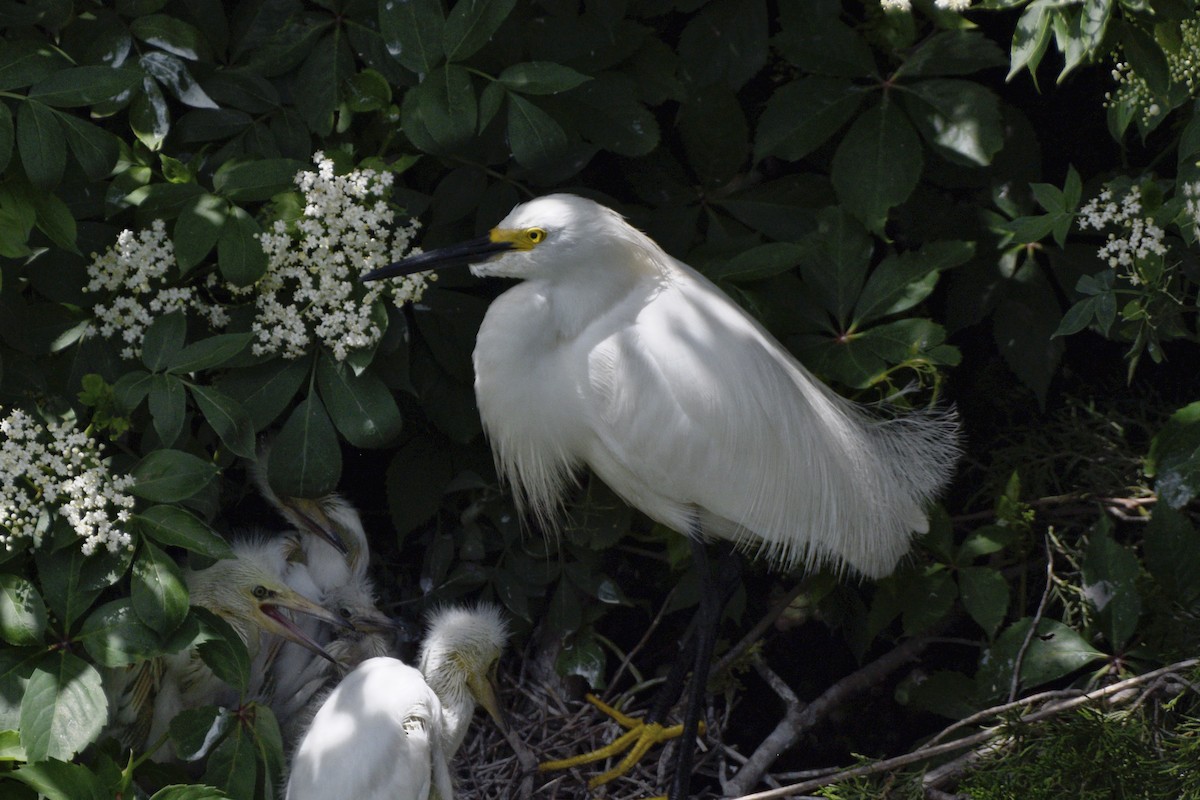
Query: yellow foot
[[640, 735]]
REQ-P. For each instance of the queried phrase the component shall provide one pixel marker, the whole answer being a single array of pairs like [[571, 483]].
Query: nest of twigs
[[544, 725]]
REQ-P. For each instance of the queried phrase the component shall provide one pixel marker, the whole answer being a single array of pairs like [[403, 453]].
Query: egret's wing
[[701, 416], [374, 737]]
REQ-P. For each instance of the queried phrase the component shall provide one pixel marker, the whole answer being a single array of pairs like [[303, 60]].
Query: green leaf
[[1110, 573], [54, 219], [835, 262], [164, 338], [114, 635], [1172, 549], [803, 114], [305, 459], [540, 77], [959, 52], [928, 599], [42, 145], [417, 478], [1174, 458], [62, 780], [159, 595], [902, 281], [266, 390], [361, 406], [1030, 38], [172, 72], [25, 62], [168, 407], [84, 86], [1146, 56], [189, 792], [209, 353], [1054, 651], [247, 181], [960, 118], [22, 612], [195, 730], [757, 263], [813, 37], [322, 75], [367, 91], [71, 581], [1077, 317], [471, 24], [439, 114], [985, 595], [582, 655], [197, 229], [227, 418], [177, 527], [131, 389], [412, 31], [167, 476], [172, 35], [607, 113], [8, 136], [95, 149], [223, 650], [150, 117], [536, 139], [877, 165], [233, 765], [1023, 324], [714, 133], [735, 54], [64, 708], [240, 255]]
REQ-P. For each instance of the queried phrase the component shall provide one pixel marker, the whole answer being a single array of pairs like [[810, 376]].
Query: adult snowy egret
[[610, 354], [388, 731], [245, 591]]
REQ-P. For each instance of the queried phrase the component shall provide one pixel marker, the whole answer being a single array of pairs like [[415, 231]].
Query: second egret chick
[[388, 731]]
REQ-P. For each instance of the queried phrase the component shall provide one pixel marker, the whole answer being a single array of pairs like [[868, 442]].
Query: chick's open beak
[[285, 627], [472, 251]]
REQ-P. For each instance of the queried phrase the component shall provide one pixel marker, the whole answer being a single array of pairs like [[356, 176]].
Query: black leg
[[715, 591]]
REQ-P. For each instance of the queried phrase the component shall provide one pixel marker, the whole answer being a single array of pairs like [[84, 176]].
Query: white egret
[[388, 731], [613, 355], [245, 591]]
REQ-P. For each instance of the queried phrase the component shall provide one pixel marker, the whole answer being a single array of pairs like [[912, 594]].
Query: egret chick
[[388, 731], [246, 592], [614, 356]]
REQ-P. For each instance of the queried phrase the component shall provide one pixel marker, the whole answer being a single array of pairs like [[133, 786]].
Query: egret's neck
[[450, 685], [582, 293]]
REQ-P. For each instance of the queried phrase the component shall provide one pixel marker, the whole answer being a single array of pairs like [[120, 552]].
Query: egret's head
[[245, 592], [354, 603], [325, 518], [537, 238], [463, 646]]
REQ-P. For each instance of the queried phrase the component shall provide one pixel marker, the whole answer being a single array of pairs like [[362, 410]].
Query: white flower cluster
[[1191, 204], [1183, 67], [311, 291], [137, 269], [953, 5], [896, 5], [1137, 237], [57, 467]]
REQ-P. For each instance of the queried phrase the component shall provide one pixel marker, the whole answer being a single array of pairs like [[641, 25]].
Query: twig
[[796, 722], [925, 754], [754, 634], [628, 660], [1037, 617]]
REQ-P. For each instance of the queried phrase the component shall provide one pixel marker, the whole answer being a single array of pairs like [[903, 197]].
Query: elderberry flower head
[[137, 272], [57, 469], [1136, 237], [311, 291], [953, 5], [1183, 70], [896, 5]]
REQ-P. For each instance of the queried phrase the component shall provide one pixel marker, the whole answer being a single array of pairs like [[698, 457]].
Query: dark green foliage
[[880, 188]]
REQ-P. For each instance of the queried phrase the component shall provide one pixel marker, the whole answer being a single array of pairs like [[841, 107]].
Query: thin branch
[[1108, 692], [754, 634], [1016, 675]]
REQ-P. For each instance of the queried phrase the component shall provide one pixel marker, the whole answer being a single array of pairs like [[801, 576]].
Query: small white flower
[[55, 469]]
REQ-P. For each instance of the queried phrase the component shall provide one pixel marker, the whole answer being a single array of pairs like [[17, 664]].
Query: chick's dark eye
[[260, 592], [345, 613]]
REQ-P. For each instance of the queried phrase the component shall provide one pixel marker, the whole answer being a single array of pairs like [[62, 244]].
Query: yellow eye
[[535, 235]]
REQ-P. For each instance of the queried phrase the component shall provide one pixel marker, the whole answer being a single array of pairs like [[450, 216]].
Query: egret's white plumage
[[613, 355], [388, 731]]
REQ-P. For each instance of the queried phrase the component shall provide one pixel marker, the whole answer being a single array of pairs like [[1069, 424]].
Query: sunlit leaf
[[64, 708]]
